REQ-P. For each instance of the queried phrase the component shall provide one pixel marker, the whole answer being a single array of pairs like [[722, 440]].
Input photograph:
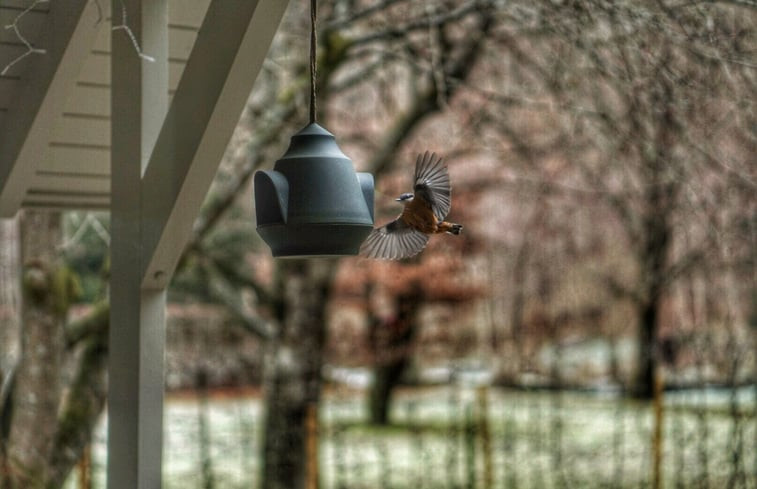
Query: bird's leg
[[449, 227]]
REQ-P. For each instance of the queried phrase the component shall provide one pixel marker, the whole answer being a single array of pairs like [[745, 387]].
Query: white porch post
[[139, 100]]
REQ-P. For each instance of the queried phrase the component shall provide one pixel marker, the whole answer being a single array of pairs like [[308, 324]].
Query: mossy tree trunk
[[46, 429], [87, 392], [37, 384]]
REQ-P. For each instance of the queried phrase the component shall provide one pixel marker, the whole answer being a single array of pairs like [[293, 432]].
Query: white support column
[[139, 103]]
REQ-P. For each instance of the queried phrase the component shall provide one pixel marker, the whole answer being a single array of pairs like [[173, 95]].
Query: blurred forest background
[[595, 325]]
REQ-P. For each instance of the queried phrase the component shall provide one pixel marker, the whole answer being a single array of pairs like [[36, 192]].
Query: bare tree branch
[[221, 288]]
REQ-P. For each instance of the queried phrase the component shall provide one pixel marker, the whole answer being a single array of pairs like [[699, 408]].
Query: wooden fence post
[[657, 441], [84, 468], [311, 447], [484, 433]]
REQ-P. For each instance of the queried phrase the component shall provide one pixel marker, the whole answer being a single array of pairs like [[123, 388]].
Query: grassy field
[[450, 437]]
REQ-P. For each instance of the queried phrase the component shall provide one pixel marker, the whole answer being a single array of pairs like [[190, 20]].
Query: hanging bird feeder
[[313, 203]]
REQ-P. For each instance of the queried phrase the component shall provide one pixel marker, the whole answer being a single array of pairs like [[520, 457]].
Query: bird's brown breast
[[418, 214]]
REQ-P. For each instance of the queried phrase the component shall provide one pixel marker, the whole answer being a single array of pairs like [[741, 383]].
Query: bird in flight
[[423, 215]]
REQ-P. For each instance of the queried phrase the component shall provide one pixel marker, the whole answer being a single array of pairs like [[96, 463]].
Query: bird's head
[[405, 197]]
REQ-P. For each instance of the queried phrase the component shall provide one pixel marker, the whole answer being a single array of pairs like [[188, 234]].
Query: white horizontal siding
[[77, 170]]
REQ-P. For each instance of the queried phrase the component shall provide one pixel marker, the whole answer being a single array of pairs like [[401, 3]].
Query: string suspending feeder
[[313, 203]]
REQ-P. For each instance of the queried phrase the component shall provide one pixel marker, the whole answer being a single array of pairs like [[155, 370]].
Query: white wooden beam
[[139, 99], [70, 30], [227, 56]]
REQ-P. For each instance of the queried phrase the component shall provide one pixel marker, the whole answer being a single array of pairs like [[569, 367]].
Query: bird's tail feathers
[[450, 227]]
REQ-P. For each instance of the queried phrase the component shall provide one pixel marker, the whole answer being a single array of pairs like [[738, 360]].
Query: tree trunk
[[293, 370], [643, 385], [654, 263], [657, 233], [391, 342], [86, 395], [45, 431], [9, 329], [386, 377], [35, 397], [9, 300]]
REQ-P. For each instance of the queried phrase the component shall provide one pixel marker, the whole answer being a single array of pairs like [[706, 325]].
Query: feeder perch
[[313, 203]]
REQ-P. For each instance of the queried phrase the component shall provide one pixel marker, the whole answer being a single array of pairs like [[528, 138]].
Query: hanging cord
[[313, 48]]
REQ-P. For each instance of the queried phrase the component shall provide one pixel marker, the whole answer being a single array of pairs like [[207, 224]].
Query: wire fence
[[482, 437]]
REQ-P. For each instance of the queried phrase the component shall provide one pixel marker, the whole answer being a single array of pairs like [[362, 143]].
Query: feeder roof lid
[[313, 141]]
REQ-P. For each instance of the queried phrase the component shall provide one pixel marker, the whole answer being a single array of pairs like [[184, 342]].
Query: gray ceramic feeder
[[313, 203]]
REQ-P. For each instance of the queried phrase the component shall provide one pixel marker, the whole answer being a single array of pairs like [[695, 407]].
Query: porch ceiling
[[55, 107]]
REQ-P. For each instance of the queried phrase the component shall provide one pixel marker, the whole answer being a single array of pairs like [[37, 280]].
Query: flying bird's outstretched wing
[[393, 241], [432, 183], [407, 235]]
